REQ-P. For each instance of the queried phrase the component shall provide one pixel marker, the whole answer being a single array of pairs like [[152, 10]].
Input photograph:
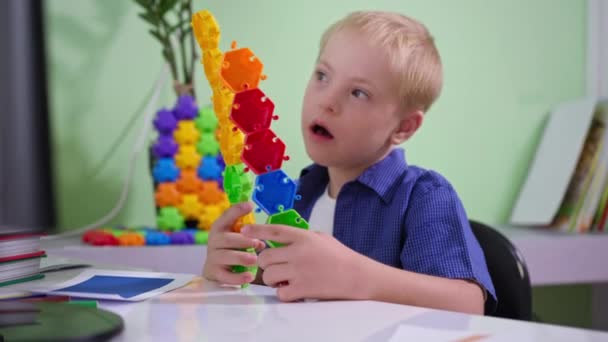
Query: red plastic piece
[[99, 238], [263, 151], [252, 111]]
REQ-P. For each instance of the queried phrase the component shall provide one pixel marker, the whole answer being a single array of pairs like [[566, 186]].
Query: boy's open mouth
[[321, 131]]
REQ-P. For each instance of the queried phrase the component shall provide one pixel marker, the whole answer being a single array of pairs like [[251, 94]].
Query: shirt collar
[[380, 177]]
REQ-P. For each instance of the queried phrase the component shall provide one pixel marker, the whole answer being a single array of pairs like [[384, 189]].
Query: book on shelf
[[566, 187]]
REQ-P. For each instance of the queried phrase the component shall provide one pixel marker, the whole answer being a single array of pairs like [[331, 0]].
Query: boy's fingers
[[225, 222], [277, 274], [236, 241], [228, 257], [225, 276], [274, 232], [289, 293], [273, 256]]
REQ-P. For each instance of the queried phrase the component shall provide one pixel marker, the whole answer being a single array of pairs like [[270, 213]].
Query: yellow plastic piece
[[209, 214], [187, 157], [243, 220], [206, 30], [186, 133], [212, 62], [190, 208], [231, 144]]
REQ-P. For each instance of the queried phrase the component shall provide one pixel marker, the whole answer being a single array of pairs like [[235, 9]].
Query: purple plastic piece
[[165, 121], [165, 147], [182, 238], [221, 162], [185, 108]]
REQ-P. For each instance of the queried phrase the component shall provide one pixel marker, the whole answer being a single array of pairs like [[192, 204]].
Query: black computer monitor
[[26, 188]]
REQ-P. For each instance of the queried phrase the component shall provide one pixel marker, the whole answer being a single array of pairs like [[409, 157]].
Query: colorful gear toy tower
[[245, 114], [186, 167]]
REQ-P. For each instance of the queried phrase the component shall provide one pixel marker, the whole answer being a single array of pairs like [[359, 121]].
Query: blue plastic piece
[[210, 169], [157, 238], [274, 192], [165, 170]]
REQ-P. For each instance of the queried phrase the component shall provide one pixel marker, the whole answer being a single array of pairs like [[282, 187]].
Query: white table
[[553, 258], [203, 311]]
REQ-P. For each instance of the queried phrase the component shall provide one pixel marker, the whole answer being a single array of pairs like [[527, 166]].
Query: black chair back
[[508, 271]]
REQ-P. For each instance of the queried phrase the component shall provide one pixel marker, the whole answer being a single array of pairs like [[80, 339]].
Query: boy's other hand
[[224, 248], [311, 265]]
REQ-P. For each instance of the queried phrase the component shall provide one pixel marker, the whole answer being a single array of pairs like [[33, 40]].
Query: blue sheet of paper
[[124, 286]]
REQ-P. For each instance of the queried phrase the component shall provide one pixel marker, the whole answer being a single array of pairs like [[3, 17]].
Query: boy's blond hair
[[410, 48]]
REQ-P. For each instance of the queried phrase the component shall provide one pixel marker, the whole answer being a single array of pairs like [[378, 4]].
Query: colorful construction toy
[[202, 156], [245, 114], [188, 182]]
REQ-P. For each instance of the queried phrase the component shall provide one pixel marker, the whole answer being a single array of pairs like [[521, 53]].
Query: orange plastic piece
[[189, 183], [211, 193], [243, 220], [208, 216], [186, 133], [190, 208], [131, 239], [241, 70], [187, 157], [167, 195]]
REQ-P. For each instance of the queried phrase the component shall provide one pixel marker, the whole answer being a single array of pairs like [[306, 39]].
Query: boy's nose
[[329, 104]]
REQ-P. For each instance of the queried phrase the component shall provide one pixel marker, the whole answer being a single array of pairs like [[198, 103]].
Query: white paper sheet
[[176, 281]]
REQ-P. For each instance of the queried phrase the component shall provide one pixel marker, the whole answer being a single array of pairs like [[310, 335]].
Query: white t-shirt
[[322, 215]]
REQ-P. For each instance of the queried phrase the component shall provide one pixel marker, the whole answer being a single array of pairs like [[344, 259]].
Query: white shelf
[[560, 258], [552, 257]]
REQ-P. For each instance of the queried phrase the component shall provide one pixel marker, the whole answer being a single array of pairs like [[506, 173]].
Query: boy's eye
[[320, 75], [360, 94]]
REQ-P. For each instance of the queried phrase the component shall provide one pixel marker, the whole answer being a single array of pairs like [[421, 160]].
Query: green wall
[[506, 64]]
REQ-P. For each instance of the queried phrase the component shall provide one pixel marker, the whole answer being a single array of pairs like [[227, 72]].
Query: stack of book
[[567, 185], [20, 256]]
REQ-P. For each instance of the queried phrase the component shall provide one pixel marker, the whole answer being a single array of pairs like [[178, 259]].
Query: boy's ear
[[408, 126]]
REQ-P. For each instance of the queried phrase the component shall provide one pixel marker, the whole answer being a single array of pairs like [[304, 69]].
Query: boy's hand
[[223, 249], [312, 265]]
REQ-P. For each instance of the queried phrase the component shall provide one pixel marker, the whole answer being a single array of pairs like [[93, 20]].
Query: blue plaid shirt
[[403, 216]]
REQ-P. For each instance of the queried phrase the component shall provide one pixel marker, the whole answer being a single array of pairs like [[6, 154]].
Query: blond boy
[[380, 229]]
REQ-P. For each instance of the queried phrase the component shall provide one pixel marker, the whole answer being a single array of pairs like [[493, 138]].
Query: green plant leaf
[[166, 5], [157, 36], [149, 17], [144, 3]]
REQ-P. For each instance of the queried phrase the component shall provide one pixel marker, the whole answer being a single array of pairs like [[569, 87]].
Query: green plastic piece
[[207, 145], [206, 121], [169, 218], [242, 269], [288, 218], [116, 232], [201, 237], [85, 303], [237, 183]]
